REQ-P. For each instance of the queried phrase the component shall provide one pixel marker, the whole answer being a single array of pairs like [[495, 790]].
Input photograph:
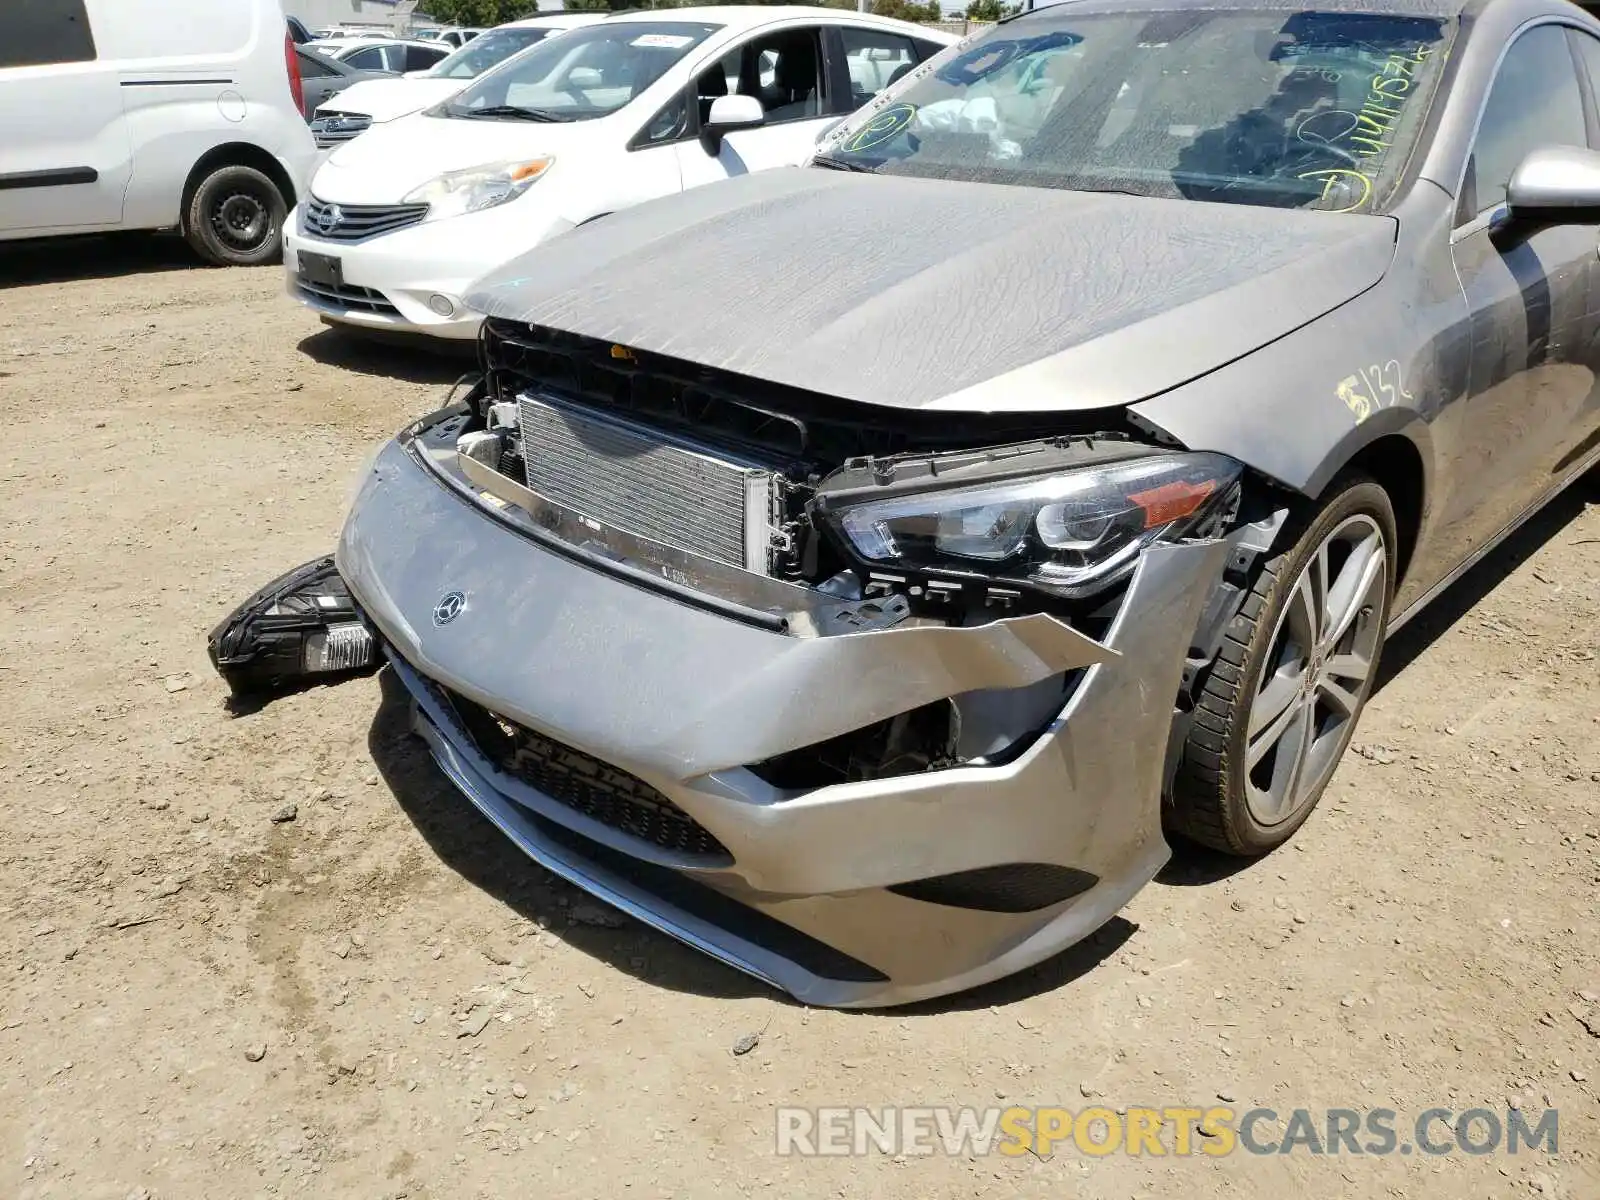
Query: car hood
[[916, 293], [387, 98], [388, 161]]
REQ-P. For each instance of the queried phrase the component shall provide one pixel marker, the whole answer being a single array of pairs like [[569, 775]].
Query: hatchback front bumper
[[685, 698]]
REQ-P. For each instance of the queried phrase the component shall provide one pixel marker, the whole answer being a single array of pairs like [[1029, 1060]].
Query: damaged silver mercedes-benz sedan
[[857, 570]]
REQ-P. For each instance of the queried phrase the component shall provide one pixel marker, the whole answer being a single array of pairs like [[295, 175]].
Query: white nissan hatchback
[[641, 105]]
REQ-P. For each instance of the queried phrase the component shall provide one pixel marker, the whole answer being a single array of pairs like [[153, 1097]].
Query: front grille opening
[[349, 296], [601, 792], [788, 439], [629, 477], [906, 744], [332, 129], [357, 222], [1008, 888], [747, 414]]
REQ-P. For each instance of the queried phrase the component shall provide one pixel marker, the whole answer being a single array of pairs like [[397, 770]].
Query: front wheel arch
[[1394, 463]]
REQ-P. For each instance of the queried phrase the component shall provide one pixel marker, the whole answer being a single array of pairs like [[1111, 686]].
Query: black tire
[[235, 218], [1210, 804]]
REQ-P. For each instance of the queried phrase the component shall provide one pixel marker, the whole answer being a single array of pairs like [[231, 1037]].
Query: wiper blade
[[842, 164], [514, 112]]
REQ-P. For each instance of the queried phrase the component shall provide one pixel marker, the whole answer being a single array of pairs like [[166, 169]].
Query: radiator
[[631, 477]]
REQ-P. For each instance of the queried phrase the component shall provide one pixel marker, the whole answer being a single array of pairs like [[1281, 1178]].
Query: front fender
[[1299, 410]]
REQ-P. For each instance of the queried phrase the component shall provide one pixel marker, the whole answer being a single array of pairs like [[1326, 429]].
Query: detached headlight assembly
[[1073, 532], [456, 193]]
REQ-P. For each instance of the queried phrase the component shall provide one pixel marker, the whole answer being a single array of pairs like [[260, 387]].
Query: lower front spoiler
[[705, 919]]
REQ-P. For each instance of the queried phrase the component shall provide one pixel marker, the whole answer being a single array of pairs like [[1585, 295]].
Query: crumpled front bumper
[[684, 698]]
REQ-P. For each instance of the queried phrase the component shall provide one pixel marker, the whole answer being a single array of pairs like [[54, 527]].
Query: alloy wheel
[[1317, 671]]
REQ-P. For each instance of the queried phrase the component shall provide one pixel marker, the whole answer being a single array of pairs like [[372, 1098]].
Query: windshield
[[1281, 108], [478, 55], [587, 73]]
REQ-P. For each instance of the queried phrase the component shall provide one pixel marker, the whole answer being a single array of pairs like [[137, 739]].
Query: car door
[[64, 152], [1584, 435], [789, 71], [1530, 298]]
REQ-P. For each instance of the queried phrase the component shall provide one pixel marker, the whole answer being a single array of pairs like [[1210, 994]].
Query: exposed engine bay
[[817, 517]]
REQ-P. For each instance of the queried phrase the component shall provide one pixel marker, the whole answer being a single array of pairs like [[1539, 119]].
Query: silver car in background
[[856, 570]]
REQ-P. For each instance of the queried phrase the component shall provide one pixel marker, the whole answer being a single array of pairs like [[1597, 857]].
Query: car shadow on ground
[[470, 845], [1193, 865], [105, 256], [411, 359]]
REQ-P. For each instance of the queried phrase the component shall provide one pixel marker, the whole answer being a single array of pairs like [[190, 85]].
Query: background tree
[[908, 10], [986, 10], [493, 12], [477, 12]]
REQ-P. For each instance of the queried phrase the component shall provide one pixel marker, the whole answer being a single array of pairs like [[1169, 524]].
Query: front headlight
[[1072, 532], [477, 188]]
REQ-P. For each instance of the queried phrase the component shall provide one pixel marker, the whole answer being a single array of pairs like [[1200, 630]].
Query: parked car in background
[[394, 55], [152, 114], [322, 78], [857, 571], [386, 99], [638, 105], [344, 31], [454, 37], [299, 32]]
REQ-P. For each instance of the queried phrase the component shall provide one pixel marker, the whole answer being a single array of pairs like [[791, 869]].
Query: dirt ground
[[202, 999]]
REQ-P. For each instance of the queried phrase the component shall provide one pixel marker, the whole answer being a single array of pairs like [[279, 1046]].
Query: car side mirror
[[1555, 185], [729, 114]]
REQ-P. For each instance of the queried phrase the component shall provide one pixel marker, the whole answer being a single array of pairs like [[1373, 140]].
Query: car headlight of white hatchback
[[474, 189]]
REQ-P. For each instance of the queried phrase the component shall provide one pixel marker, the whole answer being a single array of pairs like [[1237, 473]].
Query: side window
[[719, 79], [313, 67], [42, 32], [1534, 102], [926, 50], [420, 58], [784, 71], [670, 124], [369, 58], [1589, 52], [875, 60]]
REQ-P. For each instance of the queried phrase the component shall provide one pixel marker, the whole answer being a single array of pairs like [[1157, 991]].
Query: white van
[[152, 114]]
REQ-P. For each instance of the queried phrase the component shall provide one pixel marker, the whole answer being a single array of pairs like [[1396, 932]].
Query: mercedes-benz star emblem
[[329, 218], [448, 608]]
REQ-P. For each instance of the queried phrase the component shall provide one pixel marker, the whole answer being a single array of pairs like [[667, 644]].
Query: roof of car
[[1416, 8], [737, 15], [344, 43], [555, 18]]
